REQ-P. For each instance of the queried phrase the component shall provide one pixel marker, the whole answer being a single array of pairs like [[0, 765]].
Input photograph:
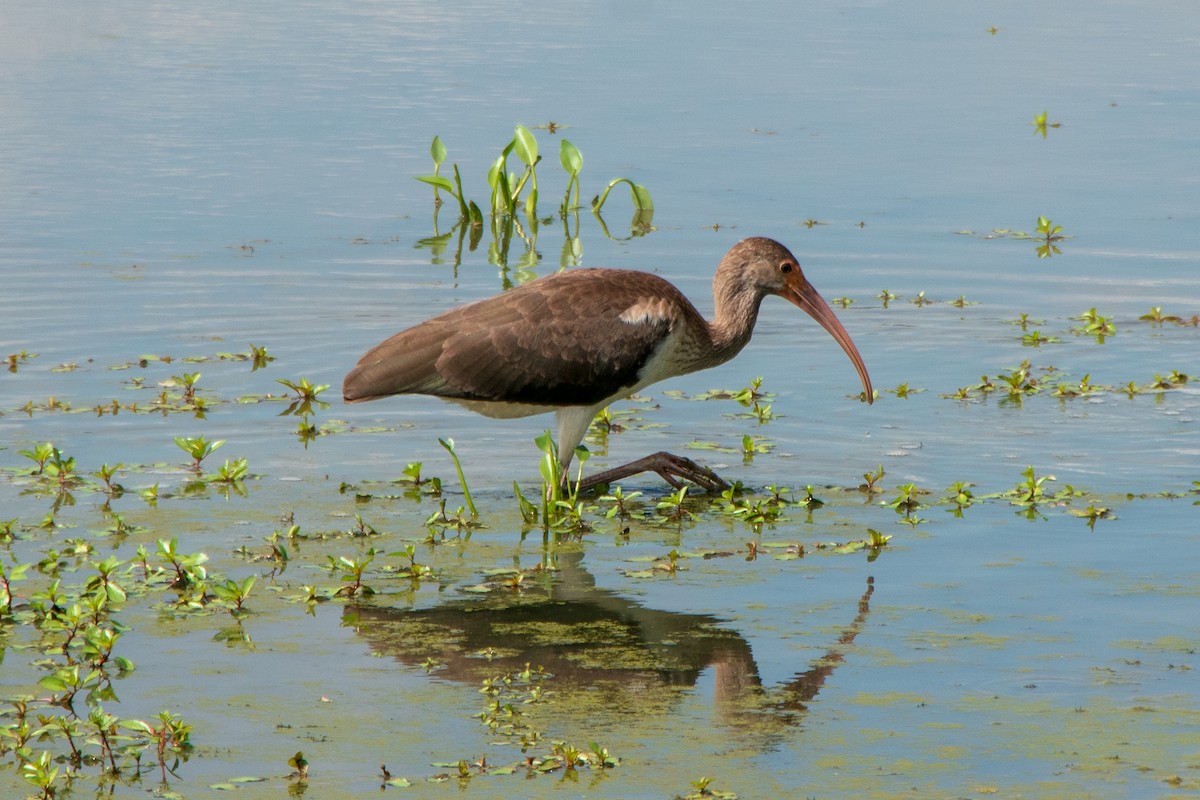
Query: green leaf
[[137, 725], [570, 157], [437, 151], [495, 171], [53, 683], [437, 181], [641, 198], [525, 146]]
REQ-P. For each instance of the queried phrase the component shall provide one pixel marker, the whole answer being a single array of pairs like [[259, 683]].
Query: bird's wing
[[573, 338]]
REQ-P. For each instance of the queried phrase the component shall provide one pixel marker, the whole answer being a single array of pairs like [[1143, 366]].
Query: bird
[[575, 341]]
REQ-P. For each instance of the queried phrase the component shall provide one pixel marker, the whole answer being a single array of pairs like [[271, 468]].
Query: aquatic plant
[[871, 481], [231, 473], [561, 508], [306, 397], [187, 382], [1094, 325], [1049, 234], [198, 448], [906, 500], [351, 572], [1036, 339], [106, 474], [753, 445], [1040, 124], [755, 512], [300, 764], [170, 740], [41, 773], [448, 444], [1032, 490], [572, 161], [903, 391], [188, 567], [13, 359], [622, 503], [506, 187], [234, 593], [439, 521], [671, 508]]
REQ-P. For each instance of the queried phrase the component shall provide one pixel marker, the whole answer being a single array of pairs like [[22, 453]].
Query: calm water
[[185, 181]]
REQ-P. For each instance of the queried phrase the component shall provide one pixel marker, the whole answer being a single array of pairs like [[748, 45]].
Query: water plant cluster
[[67, 728], [511, 193]]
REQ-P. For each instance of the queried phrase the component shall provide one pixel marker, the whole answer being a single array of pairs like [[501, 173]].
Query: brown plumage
[[575, 341]]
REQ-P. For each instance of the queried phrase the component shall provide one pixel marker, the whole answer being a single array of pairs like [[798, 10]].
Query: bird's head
[[764, 266]]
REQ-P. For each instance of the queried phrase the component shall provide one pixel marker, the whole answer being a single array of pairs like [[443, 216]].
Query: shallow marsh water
[[190, 181]]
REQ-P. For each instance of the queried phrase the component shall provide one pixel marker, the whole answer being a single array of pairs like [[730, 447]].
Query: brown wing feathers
[[555, 341]]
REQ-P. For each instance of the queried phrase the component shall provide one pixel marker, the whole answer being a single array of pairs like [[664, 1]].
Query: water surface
[[183, 183]]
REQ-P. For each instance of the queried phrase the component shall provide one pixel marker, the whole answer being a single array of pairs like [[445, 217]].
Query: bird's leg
[[670, 467]]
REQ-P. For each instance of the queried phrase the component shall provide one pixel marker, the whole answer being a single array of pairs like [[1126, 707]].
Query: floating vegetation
[[1045, 233], [14, 360], [1035, 338], [1157, 318], [1040, 124], [903, 391], [1024, 381], [1094, 325]]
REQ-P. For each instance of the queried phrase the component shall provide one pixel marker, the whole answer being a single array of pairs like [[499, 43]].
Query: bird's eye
[[786, 266]]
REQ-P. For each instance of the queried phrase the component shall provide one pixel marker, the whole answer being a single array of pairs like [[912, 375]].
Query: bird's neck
[[733, 324]]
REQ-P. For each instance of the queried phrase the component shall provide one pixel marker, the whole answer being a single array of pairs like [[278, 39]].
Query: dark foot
[[672, 469]]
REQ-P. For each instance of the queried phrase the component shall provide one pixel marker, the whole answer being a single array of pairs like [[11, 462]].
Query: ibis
[[576, 341]]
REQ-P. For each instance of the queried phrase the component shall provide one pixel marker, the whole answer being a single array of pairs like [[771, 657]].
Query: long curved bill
[[810, 301]]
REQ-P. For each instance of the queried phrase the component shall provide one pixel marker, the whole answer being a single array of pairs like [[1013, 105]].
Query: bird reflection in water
[[607, 653]]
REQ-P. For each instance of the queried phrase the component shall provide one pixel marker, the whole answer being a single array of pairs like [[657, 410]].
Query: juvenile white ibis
[[575, 341]]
